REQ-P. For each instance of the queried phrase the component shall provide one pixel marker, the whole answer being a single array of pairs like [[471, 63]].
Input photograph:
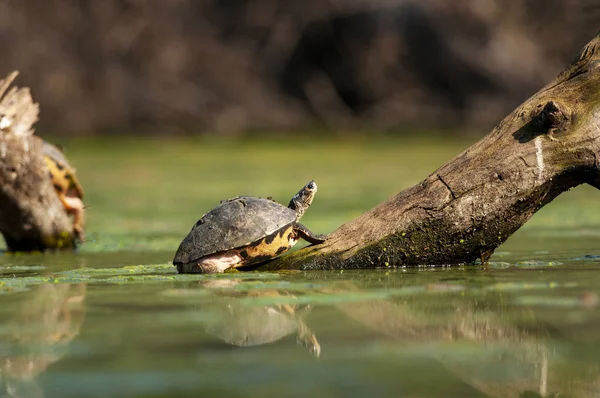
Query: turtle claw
[[321, 237], [308, 339], [78, 232], [313, 346]]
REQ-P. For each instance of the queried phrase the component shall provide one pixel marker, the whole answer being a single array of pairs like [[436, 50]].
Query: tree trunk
[[31, 214], [472, 204]]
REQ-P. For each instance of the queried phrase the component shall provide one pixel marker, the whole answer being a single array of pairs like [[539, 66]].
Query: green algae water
[[115, 320]]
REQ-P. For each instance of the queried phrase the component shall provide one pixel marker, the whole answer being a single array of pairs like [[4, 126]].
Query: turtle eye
[[310, 186]]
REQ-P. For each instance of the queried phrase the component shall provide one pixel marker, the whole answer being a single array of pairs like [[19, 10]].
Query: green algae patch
[[161, 271], [23, 282], [498, 264], [587, 257], [139, 278], [21, 268], [120, 279], [126, 270], [537, 264], [518, 286], [130, 274]]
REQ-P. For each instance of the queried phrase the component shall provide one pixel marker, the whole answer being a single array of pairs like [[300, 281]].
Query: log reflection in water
[[39, 335], [498, 349]]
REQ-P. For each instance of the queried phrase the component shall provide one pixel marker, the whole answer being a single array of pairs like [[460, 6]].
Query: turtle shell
[[235, 223], [61, 172]]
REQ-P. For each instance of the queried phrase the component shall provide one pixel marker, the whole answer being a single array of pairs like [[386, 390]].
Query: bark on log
[[31, 214], [472, 204]]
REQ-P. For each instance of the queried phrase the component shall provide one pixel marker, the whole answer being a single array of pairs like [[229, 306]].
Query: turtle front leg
[[306, 234], [74, 205]]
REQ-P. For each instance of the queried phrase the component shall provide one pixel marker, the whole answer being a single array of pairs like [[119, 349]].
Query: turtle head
[[302, 200]]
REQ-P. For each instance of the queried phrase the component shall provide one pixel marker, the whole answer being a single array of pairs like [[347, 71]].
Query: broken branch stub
[[473, 203], [31, 214]]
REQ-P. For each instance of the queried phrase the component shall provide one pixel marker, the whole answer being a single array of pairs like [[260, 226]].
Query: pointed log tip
[[590, 49], [7, 81], [588, 58]]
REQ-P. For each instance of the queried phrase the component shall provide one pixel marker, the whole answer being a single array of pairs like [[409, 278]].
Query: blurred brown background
[[233, 66]]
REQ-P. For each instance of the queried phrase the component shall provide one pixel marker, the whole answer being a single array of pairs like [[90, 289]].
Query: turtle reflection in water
[[241, 325], [243, 231]]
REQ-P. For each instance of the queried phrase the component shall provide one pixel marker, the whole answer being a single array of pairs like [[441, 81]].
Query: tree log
[[473, 203], [31, 214]]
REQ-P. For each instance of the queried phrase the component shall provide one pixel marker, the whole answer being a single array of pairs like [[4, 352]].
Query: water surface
[[114, 319]]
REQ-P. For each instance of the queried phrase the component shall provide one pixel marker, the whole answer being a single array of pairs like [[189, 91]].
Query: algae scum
[[114, 319]]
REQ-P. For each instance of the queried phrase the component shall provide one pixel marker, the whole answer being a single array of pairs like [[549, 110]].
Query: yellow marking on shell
[[63, 179], [267, 248], [69, 192]]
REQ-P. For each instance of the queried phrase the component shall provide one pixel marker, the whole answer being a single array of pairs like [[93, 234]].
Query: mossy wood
[[31, 214], [473, 203]]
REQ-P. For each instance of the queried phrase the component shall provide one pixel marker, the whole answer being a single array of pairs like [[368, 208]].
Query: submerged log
[[473, 203], [31, 215]]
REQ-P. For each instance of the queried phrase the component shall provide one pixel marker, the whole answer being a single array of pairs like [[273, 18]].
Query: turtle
[[66, 185], [244, 231]]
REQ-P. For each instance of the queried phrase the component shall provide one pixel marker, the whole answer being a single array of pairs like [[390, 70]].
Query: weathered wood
[[472, 204], [31, 214]]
